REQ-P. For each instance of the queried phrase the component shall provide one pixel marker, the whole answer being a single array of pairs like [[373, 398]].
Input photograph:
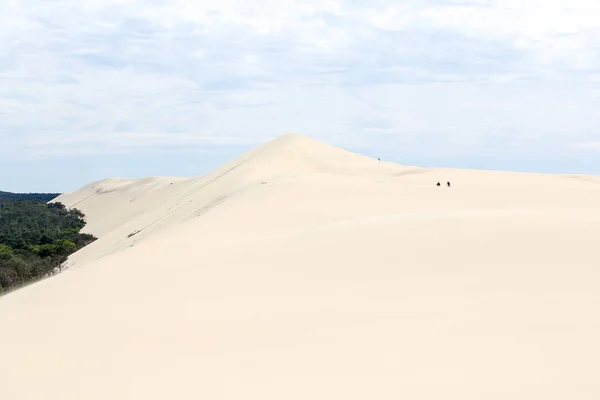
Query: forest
[[43, 197], [36, 237]]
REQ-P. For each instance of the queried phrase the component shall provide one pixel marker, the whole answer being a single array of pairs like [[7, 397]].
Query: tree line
[[36, 238], [42, 197]]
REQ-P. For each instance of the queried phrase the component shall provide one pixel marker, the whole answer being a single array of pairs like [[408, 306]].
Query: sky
[[91, 89]]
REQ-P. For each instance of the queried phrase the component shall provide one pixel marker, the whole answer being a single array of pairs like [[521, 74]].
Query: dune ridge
[[300, 270], [124, 211]]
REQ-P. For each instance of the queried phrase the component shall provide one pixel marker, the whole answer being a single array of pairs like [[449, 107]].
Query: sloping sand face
[[301, 271]]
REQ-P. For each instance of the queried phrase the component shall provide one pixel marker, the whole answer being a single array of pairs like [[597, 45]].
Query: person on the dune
[[448, 183]]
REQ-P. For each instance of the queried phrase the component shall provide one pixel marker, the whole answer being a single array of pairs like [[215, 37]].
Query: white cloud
[[137, 139], [467, 76], [587, 146]]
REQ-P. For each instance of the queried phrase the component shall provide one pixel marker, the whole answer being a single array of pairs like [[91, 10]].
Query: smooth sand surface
[[301, 271]]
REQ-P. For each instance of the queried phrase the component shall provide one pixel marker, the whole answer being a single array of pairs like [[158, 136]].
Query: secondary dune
[[303, 271]]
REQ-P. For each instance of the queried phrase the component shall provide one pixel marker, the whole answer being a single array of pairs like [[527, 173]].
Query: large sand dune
[[302, 271]]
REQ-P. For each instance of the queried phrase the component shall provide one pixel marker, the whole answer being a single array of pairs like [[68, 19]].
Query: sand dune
[[302, 271]]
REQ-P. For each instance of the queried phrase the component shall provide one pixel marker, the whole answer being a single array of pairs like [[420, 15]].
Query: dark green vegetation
[[43, 197], [36, 238]]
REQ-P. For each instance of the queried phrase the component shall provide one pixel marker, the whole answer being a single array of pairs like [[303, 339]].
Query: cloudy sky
[[97, 88]]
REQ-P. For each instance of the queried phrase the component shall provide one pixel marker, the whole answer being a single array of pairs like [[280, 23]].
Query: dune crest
[[303, 271], [122, 212]]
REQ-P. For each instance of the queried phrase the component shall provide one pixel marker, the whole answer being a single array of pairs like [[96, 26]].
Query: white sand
[[339, 277]]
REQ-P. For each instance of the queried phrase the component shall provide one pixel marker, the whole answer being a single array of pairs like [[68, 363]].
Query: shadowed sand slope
[[302, 271]]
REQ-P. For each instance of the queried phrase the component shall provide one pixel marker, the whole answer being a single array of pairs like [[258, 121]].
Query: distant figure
[[448, 183], [378, 159], [439, 184]]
